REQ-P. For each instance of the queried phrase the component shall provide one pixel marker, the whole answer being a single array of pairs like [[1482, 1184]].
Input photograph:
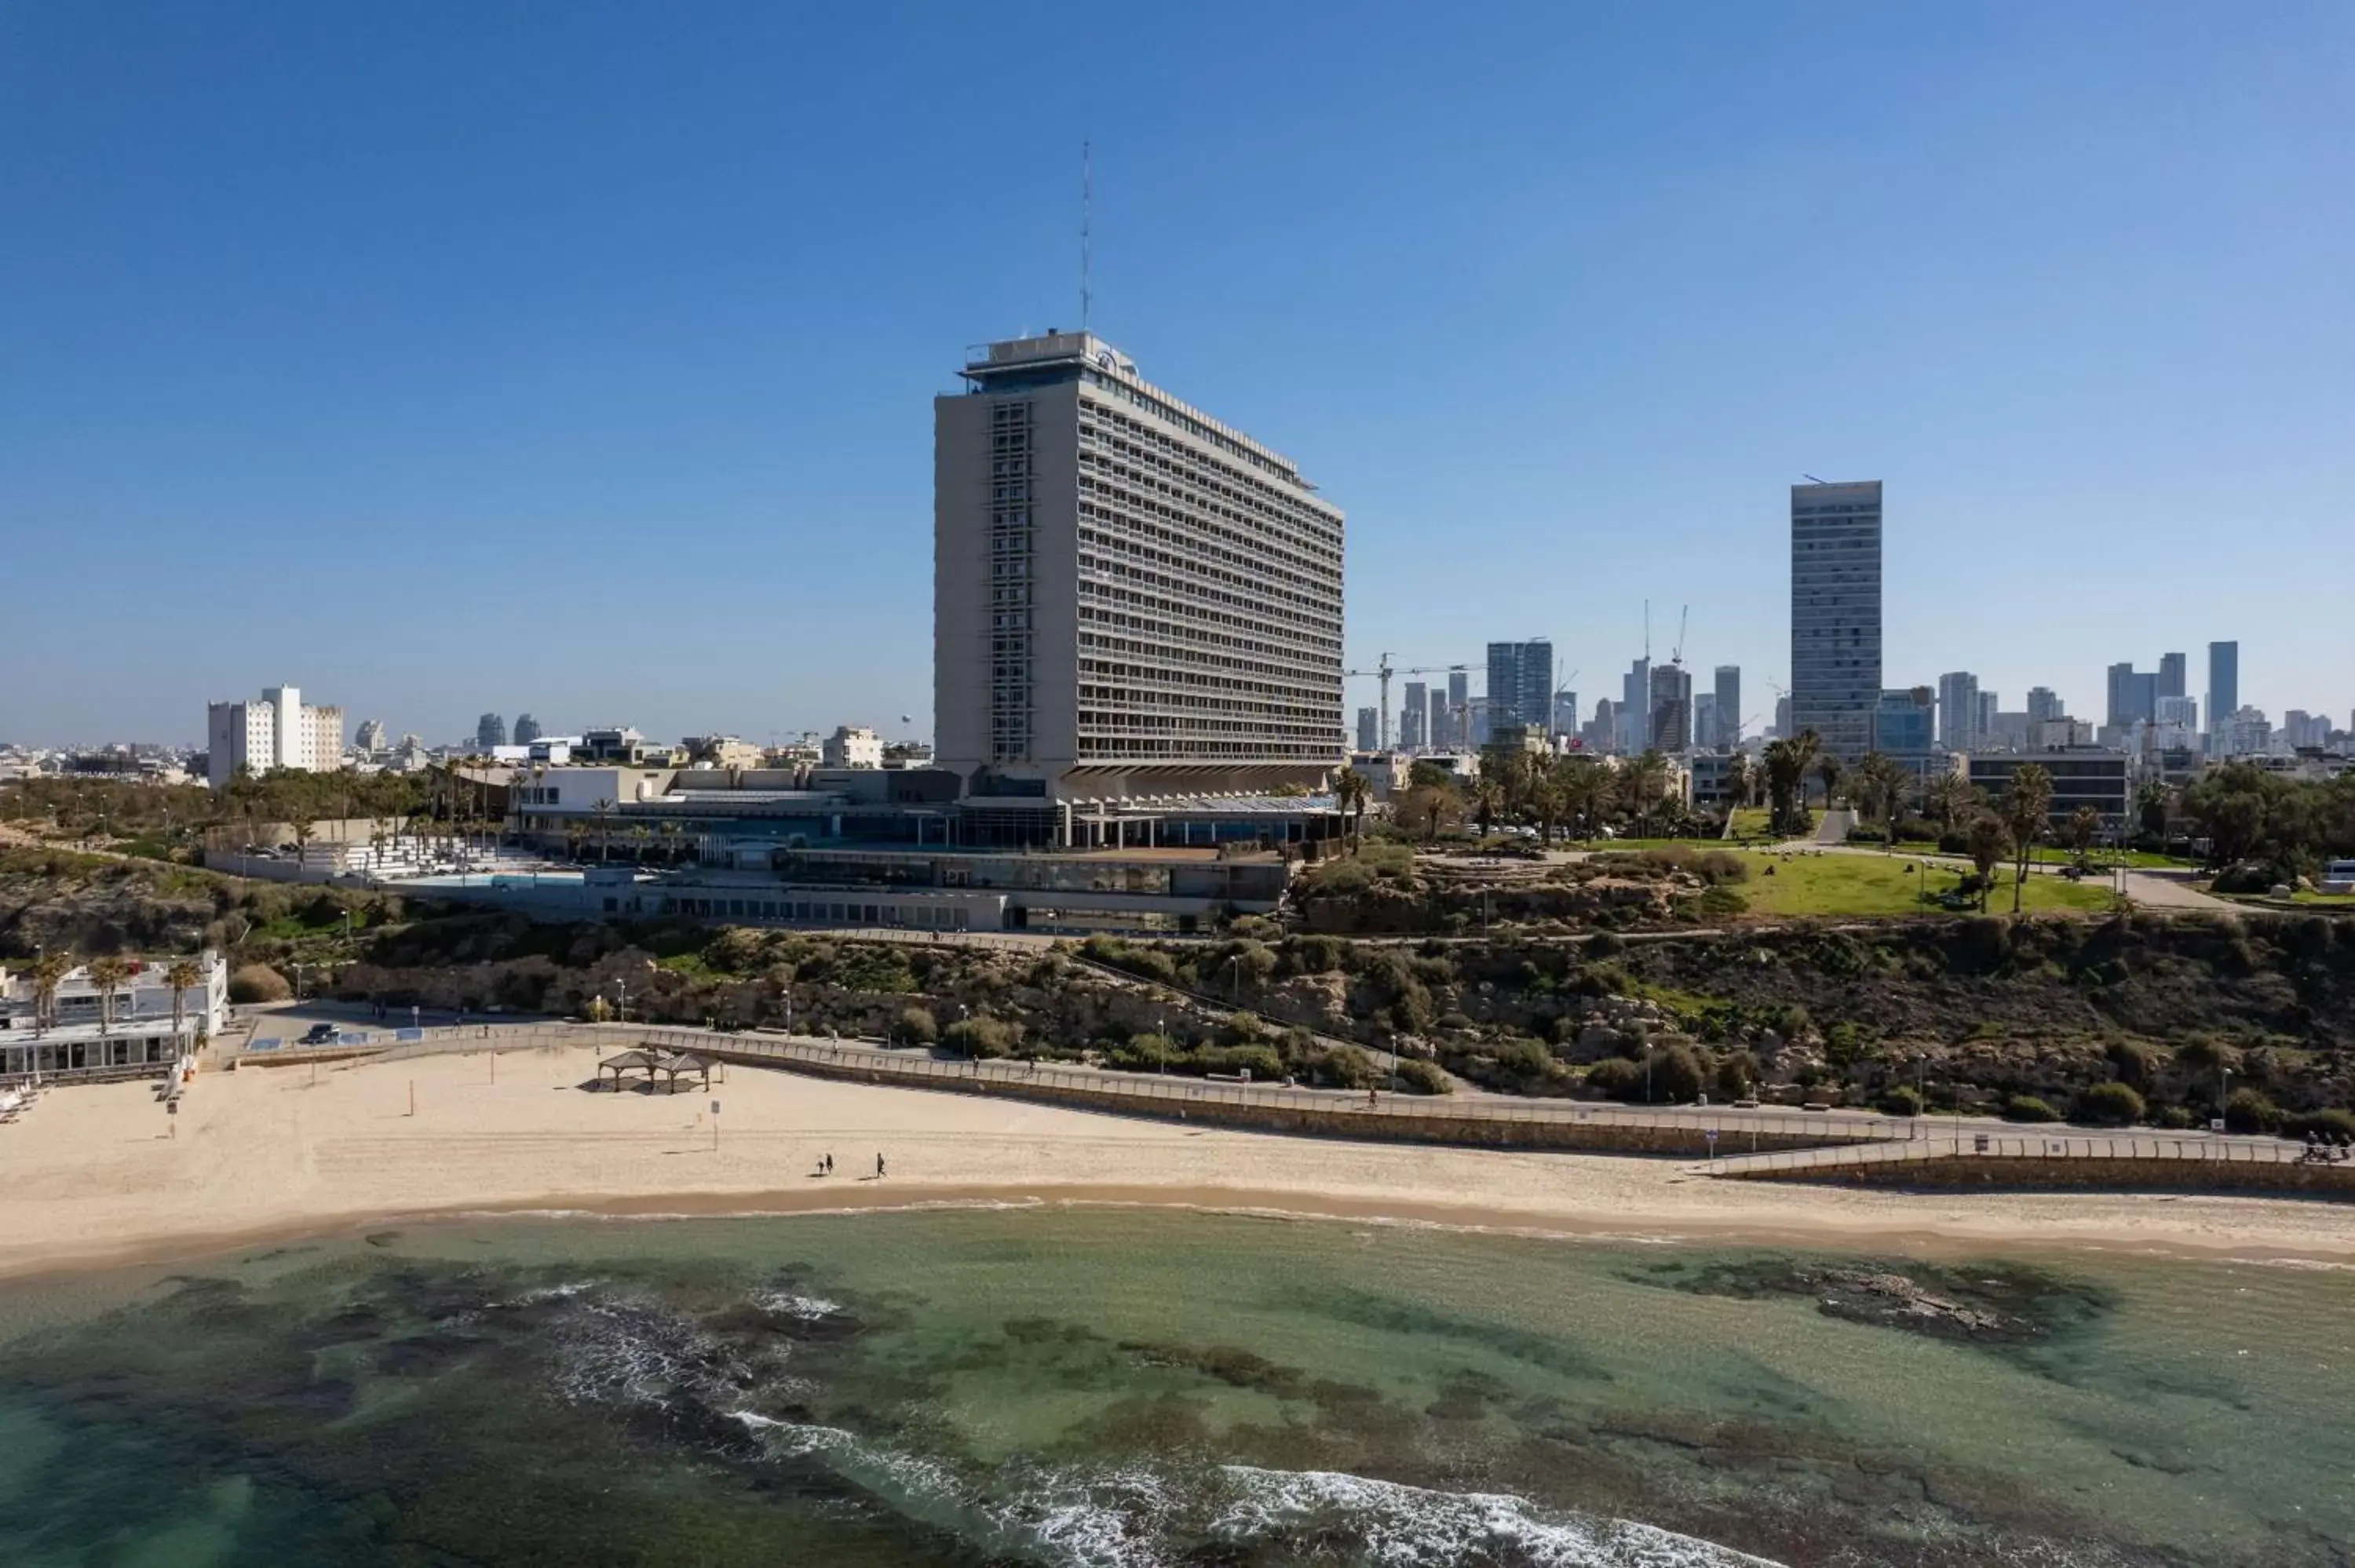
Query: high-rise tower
[[1836, 613], [1128, 597]]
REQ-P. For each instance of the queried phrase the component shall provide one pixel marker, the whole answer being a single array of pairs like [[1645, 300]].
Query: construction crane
[[1676, 655], [1383, 670]]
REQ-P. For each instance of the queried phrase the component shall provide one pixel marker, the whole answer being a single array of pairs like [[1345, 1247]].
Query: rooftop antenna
[[1087, 204], [1811, 478]]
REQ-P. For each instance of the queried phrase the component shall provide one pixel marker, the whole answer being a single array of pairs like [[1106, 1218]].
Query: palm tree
[[1487, 800], [1741, 779], [1588, 789], [2152, 804], [2084, 827], [180, 975], [1949, 799], [107, 974], [303, 827], [604, 811], [1989, 840], [1350, 791], [1786, 771], [50, 971], [1641, 782], [2027, 806], [1879, 785], [1827, 769]]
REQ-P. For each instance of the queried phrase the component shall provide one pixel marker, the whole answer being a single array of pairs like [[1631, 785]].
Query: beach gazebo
[[685, 1062], [628, 1062]]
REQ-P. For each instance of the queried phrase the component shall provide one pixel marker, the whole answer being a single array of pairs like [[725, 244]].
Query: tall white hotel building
[[1130, 599], [276, 732]]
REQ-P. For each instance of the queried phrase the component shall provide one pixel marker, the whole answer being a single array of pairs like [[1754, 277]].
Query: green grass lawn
[[1863, 884], [1752, 821], [2137, 860]]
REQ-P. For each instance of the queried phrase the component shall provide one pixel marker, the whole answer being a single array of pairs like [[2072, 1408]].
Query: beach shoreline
[[102, 1180]]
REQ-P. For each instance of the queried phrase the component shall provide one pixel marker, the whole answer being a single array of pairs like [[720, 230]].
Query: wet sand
[[99, 1174]]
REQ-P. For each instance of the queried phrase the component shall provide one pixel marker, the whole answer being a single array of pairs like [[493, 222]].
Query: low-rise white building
[[78, 1030], [854, 745]]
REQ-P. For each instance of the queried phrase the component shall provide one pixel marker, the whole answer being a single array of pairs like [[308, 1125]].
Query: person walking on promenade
[[879, 1166]]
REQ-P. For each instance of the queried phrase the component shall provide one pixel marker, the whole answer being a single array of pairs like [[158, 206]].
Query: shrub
[[981, 1038], [2028, 1108], [1617, 1077], [1422, 1077], [1719, 900], [1677, 1076], [918, 1027], [2249, 1111], [258, 982], [2109, 1105], [1604, 944], [1736, 1074], [2175, 1117], [1316, 955], [2337, 1126], [2136, 1064], [1902, 1100]]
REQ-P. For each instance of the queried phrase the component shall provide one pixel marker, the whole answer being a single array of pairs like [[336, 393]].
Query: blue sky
[[578, 358]]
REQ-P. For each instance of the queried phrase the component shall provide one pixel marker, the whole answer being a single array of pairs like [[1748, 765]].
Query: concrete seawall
[[2083, 1173]]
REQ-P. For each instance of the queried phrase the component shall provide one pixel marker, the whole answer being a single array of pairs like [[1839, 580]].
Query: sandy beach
[[100, 1173]]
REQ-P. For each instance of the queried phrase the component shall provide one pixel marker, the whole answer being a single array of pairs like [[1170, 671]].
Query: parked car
[[321, 1035]]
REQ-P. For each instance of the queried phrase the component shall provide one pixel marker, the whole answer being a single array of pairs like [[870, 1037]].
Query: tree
[[2027, 806], [109, 975], [1950, 798], [604, 812], [50, 971], [1784, 773], [1487, 800], [1588, 789], [2084, 827], [1879, 789], [1641, 783], [1988, 840], [181, 975], [2152, 803], [1740, 779], [1351, 790], [1828, 769]]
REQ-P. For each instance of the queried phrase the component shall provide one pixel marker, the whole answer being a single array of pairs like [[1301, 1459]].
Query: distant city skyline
[[326, 300]]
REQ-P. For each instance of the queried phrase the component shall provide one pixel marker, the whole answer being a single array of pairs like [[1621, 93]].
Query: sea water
[[1098, 1387]]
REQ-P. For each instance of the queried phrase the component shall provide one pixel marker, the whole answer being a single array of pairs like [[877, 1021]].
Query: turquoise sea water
[[1157, 1387]]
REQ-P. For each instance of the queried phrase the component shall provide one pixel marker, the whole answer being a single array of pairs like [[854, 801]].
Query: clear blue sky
[[578, 358]]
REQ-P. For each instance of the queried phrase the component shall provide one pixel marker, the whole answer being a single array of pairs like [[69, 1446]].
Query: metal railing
[[1731, 1126]]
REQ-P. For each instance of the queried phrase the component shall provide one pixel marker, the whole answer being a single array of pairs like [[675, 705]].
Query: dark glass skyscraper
[[1520, 682], [2223, 685], [1836, 613]]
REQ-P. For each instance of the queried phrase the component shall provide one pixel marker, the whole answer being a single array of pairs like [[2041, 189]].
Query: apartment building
[[1129, 596], [278, 731]]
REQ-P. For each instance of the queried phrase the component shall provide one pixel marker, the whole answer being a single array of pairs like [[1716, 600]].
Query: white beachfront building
[[82, 1035]]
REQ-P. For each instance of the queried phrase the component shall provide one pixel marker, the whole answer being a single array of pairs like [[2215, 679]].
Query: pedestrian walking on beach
[[879, 1165], [830, 1164]]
